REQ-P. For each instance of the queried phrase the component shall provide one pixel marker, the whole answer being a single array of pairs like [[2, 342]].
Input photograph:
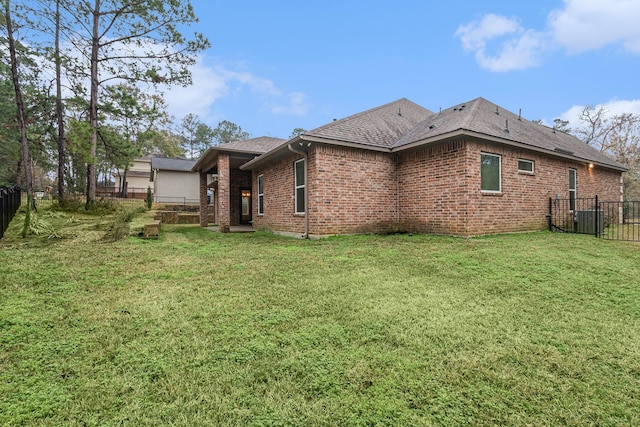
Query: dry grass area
[[201, 328]]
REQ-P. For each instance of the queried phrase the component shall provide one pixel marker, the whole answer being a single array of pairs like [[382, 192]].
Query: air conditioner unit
[[586, 221]]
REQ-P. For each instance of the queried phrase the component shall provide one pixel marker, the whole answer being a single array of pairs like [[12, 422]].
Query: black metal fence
[[621, 220], [10, 198], [604, 219]]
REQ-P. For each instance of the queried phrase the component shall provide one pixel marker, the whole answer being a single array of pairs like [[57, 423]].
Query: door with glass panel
[[245, 206]]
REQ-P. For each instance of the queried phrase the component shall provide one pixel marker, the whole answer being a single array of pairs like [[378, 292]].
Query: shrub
[[148, 200], [118, 230], [68, 204], [120, 227]]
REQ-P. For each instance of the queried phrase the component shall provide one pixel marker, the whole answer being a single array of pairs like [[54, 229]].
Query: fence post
[[596, 214], [549, 216], [2, 211], [10, 199]]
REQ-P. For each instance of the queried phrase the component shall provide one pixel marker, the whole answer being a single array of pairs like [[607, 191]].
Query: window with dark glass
[[260, 194], [525, 166], [490, 173], [299, 186], [572, 188]]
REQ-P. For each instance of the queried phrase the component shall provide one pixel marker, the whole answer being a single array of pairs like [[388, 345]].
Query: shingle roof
[[381, 126], [483, 117], [172, 164], [247, 148], [258, 145]]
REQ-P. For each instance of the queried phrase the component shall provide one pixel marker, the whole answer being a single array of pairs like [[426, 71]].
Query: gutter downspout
[[396, 159], [306, 187]]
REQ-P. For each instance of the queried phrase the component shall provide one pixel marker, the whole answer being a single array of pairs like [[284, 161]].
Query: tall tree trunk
[[123, 183], [26, 158], [59, 111], [93, 108]]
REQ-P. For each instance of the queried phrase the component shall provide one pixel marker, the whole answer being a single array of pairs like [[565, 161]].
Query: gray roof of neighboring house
[[162, 163], [381, 126], [487, 119]]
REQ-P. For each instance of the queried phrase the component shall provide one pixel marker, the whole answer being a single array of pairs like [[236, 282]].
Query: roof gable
[[381, 126], [241, 151]]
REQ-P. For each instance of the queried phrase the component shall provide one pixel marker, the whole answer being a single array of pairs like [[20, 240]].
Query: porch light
[[590, 165]]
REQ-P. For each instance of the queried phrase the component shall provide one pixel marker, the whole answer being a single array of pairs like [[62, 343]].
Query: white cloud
[[612, 107], [583, 25], [296, 105], [208, 86], [518, 48], [475, 35], [211, 83], [577, 26], [257, 84]]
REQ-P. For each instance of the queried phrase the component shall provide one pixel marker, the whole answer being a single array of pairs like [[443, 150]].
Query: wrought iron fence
[[604, 219], [10, 198], [573, 215], [621, 220]]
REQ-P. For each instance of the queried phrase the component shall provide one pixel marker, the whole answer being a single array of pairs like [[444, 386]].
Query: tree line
[[83, 88], [617, 136]]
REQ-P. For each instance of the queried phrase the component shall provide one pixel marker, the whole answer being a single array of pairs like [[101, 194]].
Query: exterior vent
[[563, 151]]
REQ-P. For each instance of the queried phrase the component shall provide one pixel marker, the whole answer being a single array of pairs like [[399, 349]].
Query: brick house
[[231, 187], [472, 169]]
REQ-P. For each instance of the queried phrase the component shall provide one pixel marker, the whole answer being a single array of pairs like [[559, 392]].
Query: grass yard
[[201, 328]]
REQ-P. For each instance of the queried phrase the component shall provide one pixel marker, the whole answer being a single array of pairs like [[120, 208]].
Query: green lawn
[[201, 328]]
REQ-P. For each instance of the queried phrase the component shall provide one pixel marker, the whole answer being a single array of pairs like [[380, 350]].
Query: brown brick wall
[[523, 203], [279, 197], [204, 217], [432, 189], [223, 193], [351, 191]]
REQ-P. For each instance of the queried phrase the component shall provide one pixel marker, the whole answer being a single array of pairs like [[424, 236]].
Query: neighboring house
[[472, 169], [137, 177], [174, 182]]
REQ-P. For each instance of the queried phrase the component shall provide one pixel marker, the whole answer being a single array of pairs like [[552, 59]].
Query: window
[[299, 182], [525, 166], [490, 173], [260, 194], [572, 188]]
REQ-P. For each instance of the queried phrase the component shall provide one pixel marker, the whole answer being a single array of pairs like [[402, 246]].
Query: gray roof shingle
[[381, 126], [483, 117], [172, 164], [258, 145], [403, 124]]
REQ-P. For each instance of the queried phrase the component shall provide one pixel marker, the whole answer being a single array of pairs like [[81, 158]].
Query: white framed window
[[260, 194], [299, 167], [573, 181], [525, 166], [490, 173]]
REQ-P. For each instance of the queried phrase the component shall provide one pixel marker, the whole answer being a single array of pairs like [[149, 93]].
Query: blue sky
[[275, 66]]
